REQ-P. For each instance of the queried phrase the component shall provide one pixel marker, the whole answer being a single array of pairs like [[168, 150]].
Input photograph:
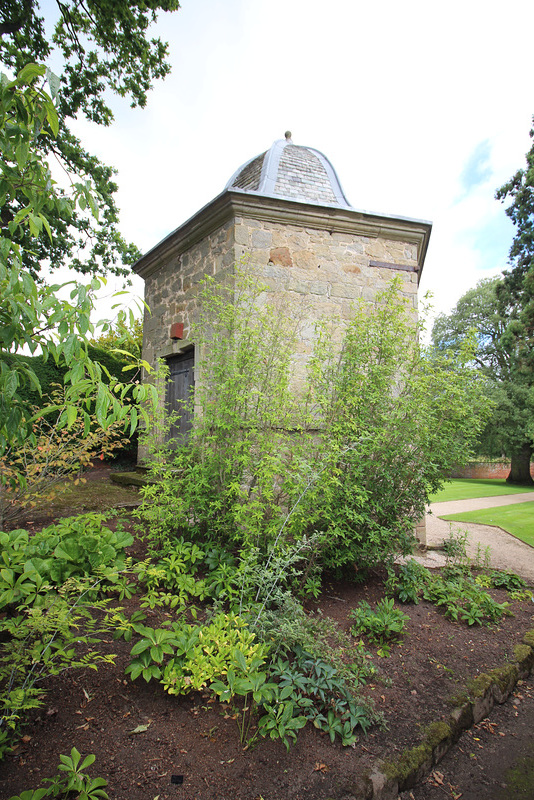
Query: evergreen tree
[[515, 293]]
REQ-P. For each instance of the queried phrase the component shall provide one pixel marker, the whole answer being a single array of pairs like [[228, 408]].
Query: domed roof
[[291, 172]]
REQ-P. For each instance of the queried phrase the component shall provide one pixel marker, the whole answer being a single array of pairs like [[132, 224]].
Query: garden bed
[[149, 744]]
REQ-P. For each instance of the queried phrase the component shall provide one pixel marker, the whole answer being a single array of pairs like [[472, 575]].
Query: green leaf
[[133, 420], [29, 72], [88, 760], [140, 729]]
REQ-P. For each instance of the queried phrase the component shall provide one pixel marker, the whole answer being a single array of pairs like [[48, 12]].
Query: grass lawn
[[517, 519], [465, 488]]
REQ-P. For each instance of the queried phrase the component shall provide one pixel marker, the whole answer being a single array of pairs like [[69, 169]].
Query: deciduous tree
[[101, 45], [516, 292], [479, 315], [33, 315]]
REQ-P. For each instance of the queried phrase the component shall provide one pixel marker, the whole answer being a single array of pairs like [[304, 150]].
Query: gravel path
[[506, 552]]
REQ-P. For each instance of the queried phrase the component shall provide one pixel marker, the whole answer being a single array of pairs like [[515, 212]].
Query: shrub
[[394, 418], [31, 471], [338, 473], [48, 588]]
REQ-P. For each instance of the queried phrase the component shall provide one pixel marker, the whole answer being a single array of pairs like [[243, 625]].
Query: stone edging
[[388, 779]]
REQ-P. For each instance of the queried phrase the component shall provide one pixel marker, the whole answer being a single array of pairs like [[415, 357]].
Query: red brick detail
[[280, 256], [177, 330]]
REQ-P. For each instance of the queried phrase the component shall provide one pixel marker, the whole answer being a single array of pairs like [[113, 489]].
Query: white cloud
[[398, 96]]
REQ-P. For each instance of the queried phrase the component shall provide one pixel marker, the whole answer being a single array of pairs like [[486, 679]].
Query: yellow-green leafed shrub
[[205, 653]]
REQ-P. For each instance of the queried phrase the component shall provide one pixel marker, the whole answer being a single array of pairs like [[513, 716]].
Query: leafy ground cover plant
[[70, 781], [189, 658], [323, 695], [408, 581], [457, 590], [49, 584], [462, 599], [288, 627], [289, 692], [73, 546], [506, 580], [384, 624]]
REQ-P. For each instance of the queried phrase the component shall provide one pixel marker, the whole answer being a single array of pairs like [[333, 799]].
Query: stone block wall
[[321, 270], [320, 274], [171, 292]]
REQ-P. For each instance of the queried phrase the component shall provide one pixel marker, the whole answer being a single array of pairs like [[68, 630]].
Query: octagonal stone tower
[[285, 212]]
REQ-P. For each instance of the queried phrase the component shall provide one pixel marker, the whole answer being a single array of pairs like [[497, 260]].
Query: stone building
[[284, 209]]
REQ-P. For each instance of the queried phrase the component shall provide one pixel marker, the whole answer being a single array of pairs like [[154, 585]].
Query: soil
[[149, 745]]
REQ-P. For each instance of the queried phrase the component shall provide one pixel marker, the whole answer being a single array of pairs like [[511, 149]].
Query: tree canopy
[[500, 313], [36, 316], [478, 315], [102, 46], [122, 338], [516, 292]]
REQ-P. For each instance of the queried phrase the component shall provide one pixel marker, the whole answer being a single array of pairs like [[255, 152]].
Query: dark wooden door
[[179, 394]]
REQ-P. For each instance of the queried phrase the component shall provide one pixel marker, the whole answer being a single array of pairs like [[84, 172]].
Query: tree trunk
[[520, 470]]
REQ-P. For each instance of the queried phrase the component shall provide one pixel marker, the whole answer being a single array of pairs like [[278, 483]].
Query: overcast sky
[[423, 110]]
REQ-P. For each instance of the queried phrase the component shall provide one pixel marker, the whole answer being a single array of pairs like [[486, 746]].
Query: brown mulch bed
[[190, 750]]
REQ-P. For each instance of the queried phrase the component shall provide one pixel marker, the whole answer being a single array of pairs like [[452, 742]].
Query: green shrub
[[343, 466], [323, 697], [409, 582], [382, 625]]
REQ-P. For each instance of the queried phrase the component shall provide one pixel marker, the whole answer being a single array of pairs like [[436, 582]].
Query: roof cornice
[[235, 202]]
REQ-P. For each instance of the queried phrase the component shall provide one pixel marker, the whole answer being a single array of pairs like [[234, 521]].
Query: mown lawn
[[465, 488], [517, 519]]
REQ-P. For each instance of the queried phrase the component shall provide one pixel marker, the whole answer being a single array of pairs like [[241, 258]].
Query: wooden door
[[179, 394]]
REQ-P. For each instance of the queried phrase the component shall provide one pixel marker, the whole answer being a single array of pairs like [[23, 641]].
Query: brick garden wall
[[486, 469]]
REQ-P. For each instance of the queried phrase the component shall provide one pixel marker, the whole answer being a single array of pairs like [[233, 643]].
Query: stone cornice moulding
[[236, 203]]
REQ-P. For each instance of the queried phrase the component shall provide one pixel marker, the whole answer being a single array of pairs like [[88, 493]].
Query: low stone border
[[390, 778], [130, 478]]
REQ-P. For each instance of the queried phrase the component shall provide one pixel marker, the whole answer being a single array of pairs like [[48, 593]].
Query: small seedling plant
[[382, 625], [70, 781]]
